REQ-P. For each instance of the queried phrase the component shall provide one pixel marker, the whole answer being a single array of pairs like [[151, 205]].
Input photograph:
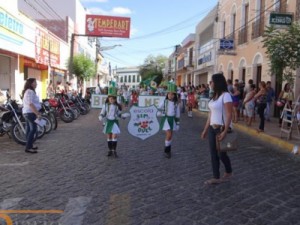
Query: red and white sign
[[107, 26], [46, 48]]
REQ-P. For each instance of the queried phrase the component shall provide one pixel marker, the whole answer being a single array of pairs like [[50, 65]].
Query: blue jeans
[[31, 128], [215, 155], [183, 103]]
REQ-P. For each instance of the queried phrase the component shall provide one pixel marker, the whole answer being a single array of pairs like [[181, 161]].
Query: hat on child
[[172, 87], [112, 91]]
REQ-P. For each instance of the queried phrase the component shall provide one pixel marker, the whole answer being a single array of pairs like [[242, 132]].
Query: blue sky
[[156, 26]]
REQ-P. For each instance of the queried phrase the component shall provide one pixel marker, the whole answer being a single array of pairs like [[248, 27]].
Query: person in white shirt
[[170, 120], [183, 96], [217, 125], [31, 107]]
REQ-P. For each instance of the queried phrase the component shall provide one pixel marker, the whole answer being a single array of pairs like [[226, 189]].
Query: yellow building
[[241, 23]]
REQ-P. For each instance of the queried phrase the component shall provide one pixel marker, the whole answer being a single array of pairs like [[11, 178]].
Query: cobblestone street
[[72, 176]]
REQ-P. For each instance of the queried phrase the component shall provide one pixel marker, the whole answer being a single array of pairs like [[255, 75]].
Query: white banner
[[143, 122], [147, 100], [203, 104], [97, 101]]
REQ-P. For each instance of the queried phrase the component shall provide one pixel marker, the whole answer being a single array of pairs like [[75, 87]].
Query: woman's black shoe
[[31, 151]]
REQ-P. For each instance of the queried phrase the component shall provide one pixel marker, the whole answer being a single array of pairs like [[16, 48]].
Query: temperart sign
[[107, 26], [143, 122]]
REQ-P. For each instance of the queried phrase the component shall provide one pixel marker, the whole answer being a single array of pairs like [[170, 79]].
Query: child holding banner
[[112, 111], [170, 120]]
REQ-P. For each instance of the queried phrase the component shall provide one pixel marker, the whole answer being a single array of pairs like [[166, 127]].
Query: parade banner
[[97, 101], [143, 122], [203, 104], [107, 26], [147, 100]]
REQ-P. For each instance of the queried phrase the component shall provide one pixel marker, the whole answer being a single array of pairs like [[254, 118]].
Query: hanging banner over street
[[107, 26]]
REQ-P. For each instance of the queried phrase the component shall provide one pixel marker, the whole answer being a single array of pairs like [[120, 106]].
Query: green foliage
[[152, 68], [283, 50], [83, 67]]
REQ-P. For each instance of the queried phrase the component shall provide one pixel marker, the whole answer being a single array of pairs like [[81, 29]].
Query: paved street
[[73, 182]]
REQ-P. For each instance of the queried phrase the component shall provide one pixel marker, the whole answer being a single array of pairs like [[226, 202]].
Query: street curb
[[284, 145], [277, 142]]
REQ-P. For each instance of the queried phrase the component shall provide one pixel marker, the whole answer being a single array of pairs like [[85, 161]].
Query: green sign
[[281, 19]]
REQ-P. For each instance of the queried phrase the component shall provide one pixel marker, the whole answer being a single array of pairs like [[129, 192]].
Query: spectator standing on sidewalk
[[31, 107], [270, 97], [220, 114], [235, 102], [261, 101], [112, 111], [170, 120], [286, 96], [249, 104]]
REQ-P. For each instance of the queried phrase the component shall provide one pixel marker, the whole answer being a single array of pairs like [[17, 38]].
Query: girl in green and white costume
[[170, 120], [112, 110]]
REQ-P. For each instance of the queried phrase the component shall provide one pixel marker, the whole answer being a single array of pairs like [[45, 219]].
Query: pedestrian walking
[[249, 104], [111, 111], [170, 120], [217, 125], [30, 110], [191, 101], [183, 96], [261, 101]]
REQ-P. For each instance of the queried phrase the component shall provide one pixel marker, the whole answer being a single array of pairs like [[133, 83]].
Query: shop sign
[[281, 19], [143, 122], [205, 58], [107, 26], [226, 44], [10, 23], [47, 48]]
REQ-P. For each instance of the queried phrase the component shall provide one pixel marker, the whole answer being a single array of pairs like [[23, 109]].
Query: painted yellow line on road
[[6, 218], [119, 209], [54, 211]]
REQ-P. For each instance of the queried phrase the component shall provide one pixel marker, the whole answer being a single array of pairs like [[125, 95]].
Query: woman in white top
[[220, 115], [31, 107]]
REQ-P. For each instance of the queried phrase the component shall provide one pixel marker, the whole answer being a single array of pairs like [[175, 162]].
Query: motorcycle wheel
[[18, 135], [48, 126], [53, 119], [66, 115]]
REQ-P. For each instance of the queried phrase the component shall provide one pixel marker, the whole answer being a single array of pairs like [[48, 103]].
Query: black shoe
[[31, 151], [168, 155], [115, 153], [109, 153], [35, 148]]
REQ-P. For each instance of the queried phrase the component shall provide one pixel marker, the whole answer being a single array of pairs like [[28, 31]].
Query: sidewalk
[[271, 134]]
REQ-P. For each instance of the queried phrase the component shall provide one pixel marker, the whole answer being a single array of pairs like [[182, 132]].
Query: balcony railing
[[243, 36], [258, 28]]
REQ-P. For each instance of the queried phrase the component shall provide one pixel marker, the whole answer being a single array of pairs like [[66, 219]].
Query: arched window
[[133, 78]]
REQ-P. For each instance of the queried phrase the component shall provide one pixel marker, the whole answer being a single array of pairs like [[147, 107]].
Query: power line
[[53, 10]]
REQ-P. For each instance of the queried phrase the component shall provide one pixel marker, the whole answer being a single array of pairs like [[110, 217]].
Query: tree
[[83, 67], [283, 51], [152, 68]]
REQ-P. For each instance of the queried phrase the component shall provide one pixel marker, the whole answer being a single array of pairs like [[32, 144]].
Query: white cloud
[[121, 11], [114, 11], [97, 1]]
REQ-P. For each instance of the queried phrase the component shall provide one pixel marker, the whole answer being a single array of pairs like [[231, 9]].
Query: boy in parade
[[170, 121]]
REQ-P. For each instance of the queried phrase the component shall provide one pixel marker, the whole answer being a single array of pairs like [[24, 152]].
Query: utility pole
[[176, 55]]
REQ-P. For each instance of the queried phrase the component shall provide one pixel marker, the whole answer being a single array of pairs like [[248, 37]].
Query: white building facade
[[128, 76]]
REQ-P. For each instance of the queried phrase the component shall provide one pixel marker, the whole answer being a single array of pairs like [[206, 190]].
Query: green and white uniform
[[112, 113], [171, 111]]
